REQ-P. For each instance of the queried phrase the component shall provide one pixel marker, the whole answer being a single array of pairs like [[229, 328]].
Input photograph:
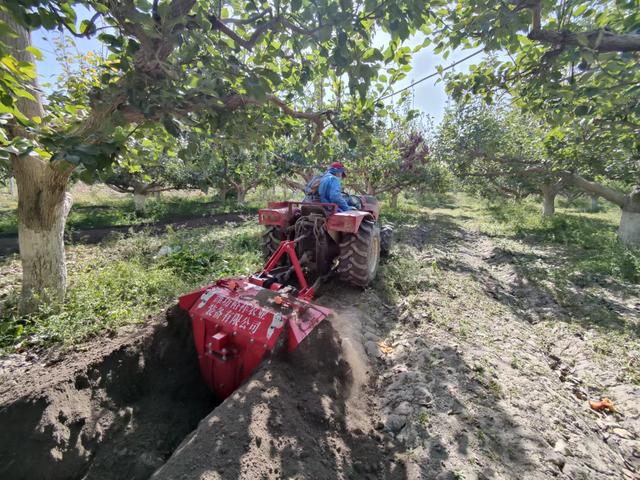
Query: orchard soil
[[458, 363]]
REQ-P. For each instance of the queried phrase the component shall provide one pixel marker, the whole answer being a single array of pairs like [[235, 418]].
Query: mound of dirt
[[119, 408], [116, 410], [306, 416]]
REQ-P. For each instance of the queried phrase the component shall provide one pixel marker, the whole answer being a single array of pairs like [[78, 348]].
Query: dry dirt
[[9, 243], [471, 371], [309, 415], [116, 409]]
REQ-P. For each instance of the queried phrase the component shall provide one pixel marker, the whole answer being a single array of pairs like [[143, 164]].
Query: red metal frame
[[237, 320], [289, 247], [281, 213]]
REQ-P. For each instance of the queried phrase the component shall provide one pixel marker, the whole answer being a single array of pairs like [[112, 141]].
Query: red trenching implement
[[237, 320]]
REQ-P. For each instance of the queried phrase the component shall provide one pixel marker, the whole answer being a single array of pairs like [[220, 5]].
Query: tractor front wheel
[[360, 255]]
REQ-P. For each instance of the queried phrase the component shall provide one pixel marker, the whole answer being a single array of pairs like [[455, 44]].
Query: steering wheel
[[353, 201]]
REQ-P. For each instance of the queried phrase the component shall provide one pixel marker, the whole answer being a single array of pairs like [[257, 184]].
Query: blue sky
[[430, 96]]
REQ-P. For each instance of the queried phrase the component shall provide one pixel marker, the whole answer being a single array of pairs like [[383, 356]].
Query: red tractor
[[326, 240], [236, 321]]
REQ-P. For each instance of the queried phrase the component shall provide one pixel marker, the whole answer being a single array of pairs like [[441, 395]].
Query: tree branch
[[236, 101], [118, 188], [293, 184], [614, 196], [246, 21], [219, 25], [598, 40], [248, 44]]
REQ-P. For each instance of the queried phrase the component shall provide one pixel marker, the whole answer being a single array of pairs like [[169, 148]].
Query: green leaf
[[87, 27], [35, 52]]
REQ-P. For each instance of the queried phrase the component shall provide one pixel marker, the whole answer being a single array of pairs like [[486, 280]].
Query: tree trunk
[[241, 193], [594, 203], [43, 206], [12, 187], [369, 188], [629, 229], [140, 195], [140, 202], [394, 200], [549, 193], [156, 195], [43, 202]]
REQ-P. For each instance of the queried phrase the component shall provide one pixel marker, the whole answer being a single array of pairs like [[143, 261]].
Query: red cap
[[339, 166]]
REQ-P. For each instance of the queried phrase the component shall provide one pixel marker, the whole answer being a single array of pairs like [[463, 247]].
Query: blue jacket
[[331, 192]]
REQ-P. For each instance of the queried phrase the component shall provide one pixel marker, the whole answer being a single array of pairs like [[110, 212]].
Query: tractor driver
[[330, 188], [326, 188]]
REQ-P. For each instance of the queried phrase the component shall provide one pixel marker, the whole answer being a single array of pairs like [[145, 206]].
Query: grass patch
[[589, 238], [127, 280]]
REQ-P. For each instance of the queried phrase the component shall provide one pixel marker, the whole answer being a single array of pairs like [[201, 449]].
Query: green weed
[[114, 212], [589, 238], [126, 281]]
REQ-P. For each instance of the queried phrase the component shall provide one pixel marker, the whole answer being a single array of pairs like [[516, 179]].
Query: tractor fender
[[347, 222], [280, 217]]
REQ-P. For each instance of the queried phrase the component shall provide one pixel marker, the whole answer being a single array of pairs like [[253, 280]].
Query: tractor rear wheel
[[360, 255], [270, 240]]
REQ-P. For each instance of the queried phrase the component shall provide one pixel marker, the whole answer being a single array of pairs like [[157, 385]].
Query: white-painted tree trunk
[[44, 276], [13, 191], [594, 203], [241, 194], [43, 202], [394, 200], [629, 229], [140, 202], [548, 200]]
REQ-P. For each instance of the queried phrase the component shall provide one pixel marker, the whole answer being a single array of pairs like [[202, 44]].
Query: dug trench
[[119, 409]]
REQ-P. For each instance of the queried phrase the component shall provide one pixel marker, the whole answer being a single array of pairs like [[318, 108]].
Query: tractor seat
[[309, 209]]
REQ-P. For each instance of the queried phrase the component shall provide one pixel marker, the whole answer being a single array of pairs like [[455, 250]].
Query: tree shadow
[[567, 281], [535, 291], [464, 415]]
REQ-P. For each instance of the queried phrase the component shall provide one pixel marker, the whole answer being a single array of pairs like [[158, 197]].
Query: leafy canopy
[[196, 62]]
